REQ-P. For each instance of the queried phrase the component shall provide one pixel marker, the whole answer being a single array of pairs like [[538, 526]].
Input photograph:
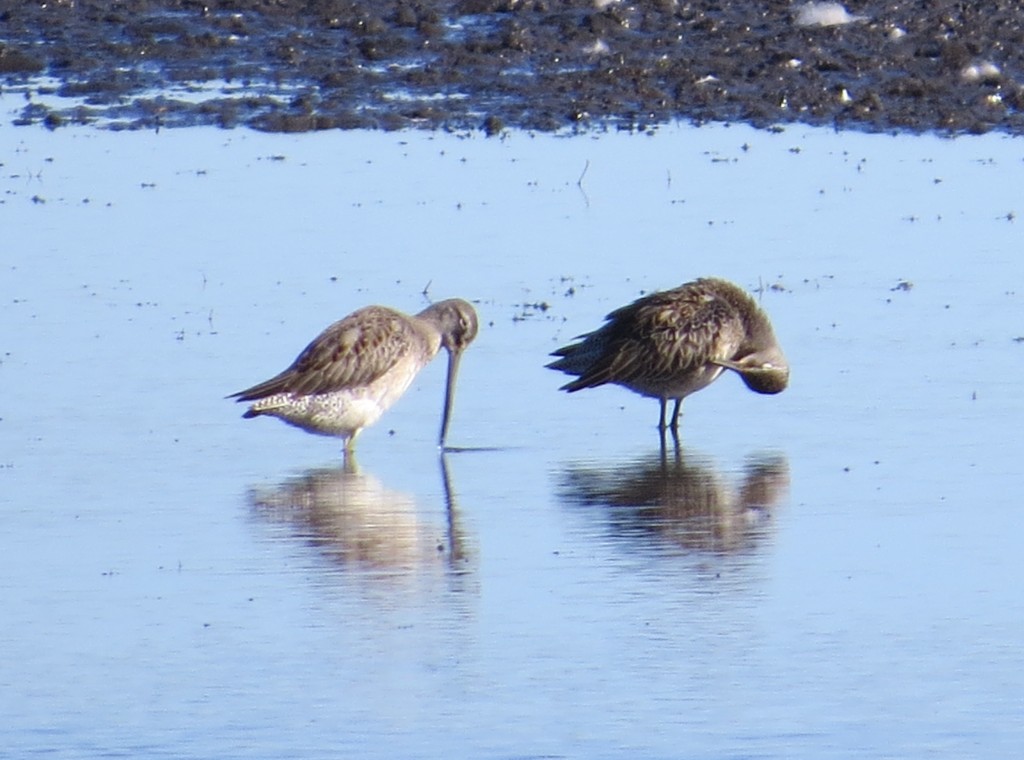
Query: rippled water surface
[[831, 572]]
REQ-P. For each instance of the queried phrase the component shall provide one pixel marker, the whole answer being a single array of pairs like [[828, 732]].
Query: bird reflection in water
[[681, 499], [359, 524]]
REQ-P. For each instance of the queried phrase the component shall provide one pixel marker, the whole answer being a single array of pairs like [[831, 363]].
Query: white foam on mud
[[825, 14]]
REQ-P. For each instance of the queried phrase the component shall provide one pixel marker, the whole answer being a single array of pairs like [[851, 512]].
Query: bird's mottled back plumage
[[670, 344], [354, 351]]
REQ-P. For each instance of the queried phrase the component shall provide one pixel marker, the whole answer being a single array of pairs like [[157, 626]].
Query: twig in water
[[579, 182]]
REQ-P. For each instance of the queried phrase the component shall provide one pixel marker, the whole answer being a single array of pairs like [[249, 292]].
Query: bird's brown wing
[[352, 352], [658, 336]]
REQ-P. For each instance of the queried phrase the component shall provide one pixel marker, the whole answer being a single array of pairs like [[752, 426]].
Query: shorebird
[[670, 344], [358, 367]]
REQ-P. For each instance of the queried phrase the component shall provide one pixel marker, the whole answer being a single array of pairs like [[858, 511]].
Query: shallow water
[[827, 572]]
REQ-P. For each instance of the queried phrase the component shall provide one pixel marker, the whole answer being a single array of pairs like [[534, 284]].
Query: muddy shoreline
[[546, 65]]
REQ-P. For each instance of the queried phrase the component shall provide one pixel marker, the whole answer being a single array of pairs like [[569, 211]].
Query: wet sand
[[488, 65]]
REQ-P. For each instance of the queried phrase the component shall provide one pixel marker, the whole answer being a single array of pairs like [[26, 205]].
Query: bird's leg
[[350, 466], [664, 445], [661, 419], [675, 416], [350, 446]]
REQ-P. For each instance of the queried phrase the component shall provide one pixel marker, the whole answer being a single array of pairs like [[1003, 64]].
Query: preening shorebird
[[670, 344], [358, 367]]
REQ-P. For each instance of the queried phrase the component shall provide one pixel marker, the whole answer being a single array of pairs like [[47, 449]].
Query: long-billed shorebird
[[358, 367], [670, 344]]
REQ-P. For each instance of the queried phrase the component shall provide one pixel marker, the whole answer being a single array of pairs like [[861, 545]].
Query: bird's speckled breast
[[343, 413]]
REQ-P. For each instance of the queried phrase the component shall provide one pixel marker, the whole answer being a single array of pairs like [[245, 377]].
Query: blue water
[[831, 572]]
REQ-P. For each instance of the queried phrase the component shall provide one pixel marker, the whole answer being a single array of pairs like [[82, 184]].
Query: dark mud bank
[[285, 65]]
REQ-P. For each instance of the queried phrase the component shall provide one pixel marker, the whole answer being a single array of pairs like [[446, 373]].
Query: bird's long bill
[[449, 393], [728, 364]]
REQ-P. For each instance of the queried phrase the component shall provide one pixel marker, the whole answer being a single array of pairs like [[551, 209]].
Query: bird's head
[[457, 322], [763, 371]]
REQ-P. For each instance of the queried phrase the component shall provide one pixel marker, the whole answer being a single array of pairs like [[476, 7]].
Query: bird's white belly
[[342, 413]]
